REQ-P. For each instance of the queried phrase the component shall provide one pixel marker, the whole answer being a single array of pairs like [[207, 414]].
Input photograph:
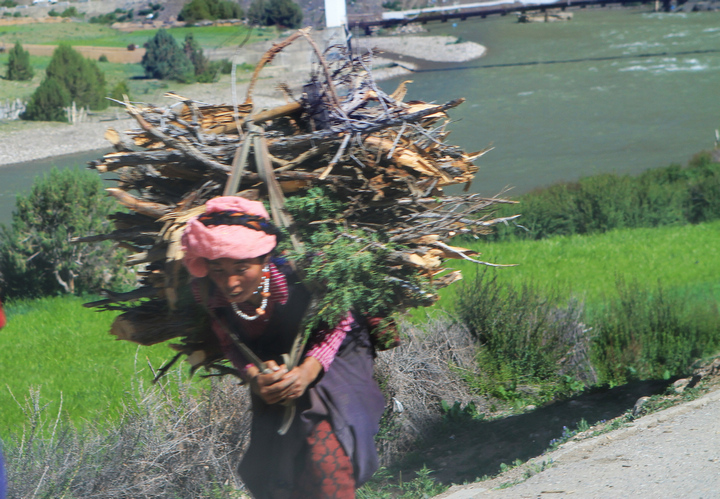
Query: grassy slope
[[63, 348], [104, 36], [685, 258]]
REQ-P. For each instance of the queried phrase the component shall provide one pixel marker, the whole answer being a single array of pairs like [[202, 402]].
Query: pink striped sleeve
[[329, 342]]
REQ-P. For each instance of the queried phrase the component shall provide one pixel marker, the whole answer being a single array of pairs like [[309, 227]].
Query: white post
[[335, 13]]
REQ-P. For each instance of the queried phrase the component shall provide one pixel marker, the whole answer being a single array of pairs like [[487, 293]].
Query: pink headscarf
[[202, 243]]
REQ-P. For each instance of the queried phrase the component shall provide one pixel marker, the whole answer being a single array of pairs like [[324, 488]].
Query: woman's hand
[[280, 384]]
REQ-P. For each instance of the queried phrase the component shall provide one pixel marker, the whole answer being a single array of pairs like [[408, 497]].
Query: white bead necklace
[[265, 293]]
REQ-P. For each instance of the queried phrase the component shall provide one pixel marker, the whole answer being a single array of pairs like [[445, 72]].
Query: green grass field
[[100, 35], [62, 348], [684, 259]]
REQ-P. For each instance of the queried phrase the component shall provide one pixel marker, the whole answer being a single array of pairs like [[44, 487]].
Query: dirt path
[[669, 454], [113, 54]]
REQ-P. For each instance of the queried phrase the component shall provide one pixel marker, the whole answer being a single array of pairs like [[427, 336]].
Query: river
[[613, 90]]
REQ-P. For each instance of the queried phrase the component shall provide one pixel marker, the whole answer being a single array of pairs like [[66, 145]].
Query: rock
[[680, 385], [638, 409]]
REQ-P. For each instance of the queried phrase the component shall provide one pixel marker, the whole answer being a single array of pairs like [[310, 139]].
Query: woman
[[329, 449]]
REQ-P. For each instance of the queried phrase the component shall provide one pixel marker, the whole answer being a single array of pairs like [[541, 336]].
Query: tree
[[164, 59], [82, 77], [36, 256], [197, 10], [275, 12], [18, 65], [48, 102], [205, 70]]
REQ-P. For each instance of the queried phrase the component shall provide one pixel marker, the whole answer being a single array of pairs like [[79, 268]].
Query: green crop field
[[64, 350], [99, 35], [684, 259]]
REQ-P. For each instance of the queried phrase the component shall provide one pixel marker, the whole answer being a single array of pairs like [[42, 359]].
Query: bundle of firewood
[[381, 162]]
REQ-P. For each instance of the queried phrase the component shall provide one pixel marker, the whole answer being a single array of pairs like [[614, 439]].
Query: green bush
[[119, 91], [48, 102], [661, 196], [275, 12], [118, 15], [18, 65], [166, 60], [36, 255], [70, 12], [8, 3], [525, 338], [198, 10], [205, 71], [82, 78], [644, 334], [103, 58]]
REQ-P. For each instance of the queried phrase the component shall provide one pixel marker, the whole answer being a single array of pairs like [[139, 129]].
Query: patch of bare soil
[[113, 54]]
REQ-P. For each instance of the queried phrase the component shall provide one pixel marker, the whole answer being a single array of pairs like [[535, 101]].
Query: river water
[[618, 90], [613, 90]]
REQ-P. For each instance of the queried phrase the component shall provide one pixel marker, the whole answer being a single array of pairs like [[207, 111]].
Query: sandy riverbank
[[27, 141]]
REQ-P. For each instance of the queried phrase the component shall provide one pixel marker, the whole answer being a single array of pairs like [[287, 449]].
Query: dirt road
[[673, 453]]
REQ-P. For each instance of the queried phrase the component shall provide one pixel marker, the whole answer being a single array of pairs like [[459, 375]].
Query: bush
[[205, 71], [661, 196], [103, 58], [118, 15], [48, 102], [18, 65], [71, 12], [164, 59], [275, 12], [525, 339], [36, 256], [82, 78], [8, 3], [198, 10], [644, 334], [119, 91]]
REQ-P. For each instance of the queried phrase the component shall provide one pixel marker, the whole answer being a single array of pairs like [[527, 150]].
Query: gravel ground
[[669, 454], [428, 48]]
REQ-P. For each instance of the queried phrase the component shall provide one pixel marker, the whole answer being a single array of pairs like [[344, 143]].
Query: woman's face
[[237, 279]]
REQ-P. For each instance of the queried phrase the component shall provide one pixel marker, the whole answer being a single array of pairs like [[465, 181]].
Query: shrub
[[18, 65], [524, 337], [197, 10], [70, 12], [164, 59], [119, 91], [82, 78], [205, 71], [103, 58], [118, 15], [48, 102], [275, 12], [8, 3], [661, 196], [36, 256], [644, 334]]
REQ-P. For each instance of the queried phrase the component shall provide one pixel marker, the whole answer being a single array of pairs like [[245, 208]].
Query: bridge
[[483, 9]]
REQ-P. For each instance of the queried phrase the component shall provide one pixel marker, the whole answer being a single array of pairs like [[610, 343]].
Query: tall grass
[[63, 350]]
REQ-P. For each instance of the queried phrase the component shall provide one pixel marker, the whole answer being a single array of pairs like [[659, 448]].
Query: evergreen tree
[[36, 255], [275, 12], [48, 102], [164, 59], [82, 78], [205, 71], [18, 65]]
